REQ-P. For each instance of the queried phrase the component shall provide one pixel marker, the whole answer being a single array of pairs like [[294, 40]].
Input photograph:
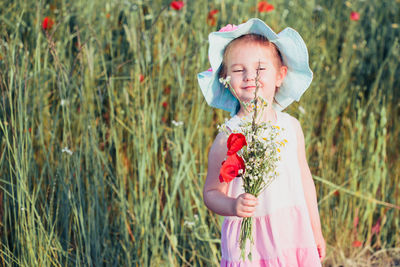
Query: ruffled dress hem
[[289, 258]]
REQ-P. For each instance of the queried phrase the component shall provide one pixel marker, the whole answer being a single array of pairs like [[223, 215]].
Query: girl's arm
[[215, 193], [309, 191]]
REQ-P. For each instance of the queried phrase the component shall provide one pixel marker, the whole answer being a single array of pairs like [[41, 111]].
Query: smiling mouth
[[249, 87]]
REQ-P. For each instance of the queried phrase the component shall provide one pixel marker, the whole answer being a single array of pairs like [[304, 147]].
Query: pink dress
[[282, 229]]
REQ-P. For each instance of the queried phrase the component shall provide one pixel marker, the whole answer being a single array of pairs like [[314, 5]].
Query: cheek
[[235, 78], [278, 81], [234, 83]]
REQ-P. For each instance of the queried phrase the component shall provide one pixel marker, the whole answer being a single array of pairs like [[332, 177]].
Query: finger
[[250, 203], [322, 258], [321, 252], [246, 208]]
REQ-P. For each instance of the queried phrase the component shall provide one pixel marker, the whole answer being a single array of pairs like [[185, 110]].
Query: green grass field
[[104, 133]]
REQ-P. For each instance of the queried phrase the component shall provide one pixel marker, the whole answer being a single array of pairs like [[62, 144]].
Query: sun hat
[[294, 55]]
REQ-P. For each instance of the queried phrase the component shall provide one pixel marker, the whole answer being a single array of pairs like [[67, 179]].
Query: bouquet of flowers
[[253, 154]]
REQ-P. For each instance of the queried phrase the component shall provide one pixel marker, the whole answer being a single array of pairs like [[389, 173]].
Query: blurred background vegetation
[[104, 133]]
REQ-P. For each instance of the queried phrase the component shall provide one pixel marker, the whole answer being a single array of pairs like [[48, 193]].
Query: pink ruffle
[[296, 257]]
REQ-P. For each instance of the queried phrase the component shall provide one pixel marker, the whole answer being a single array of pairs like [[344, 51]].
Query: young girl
[[286, 224]]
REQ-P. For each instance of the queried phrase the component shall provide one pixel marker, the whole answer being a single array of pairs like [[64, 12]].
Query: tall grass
[[95, 170]]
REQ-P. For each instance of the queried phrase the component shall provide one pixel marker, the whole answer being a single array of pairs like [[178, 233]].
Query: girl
[[286, 227]]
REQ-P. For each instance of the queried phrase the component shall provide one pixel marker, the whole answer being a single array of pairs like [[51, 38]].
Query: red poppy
[[47, 23], [141, 78], [354, 15], [356, 244], [235, 142], [230, 168], [336, 193], [165, 104], [177, 5], [167, 89], [377, 227], [355, 221], [211, 20], [264, 6]]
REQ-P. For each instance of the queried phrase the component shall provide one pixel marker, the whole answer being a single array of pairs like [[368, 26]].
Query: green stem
[[246, 230]]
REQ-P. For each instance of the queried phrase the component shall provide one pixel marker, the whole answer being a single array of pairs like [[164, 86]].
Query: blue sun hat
[[294, 55]]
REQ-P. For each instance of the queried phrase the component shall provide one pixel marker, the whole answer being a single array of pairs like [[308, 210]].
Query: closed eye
[[237, 70]]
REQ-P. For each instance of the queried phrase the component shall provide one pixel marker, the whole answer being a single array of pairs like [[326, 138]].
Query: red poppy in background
[[355, 221], [165, 104], [230, 168], [354, 15], [167, 89], [235, 142], [177, 5], [377, 227], [47, 23], [357, 244], [141, 78], [211, 20], [264, 6]]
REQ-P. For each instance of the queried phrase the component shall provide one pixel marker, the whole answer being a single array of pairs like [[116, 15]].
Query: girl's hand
[[245, 205], [321, 247]]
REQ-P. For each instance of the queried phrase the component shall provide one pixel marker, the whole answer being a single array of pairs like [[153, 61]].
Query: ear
[[280, 75]]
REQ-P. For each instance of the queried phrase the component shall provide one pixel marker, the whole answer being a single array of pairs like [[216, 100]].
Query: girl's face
[[242, 61]]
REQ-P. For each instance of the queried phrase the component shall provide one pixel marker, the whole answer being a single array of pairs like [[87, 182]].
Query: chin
[[247, 98]]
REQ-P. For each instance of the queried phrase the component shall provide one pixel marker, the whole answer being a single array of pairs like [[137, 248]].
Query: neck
[[267, 114]]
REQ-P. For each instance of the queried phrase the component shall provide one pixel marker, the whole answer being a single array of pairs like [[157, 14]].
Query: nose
[[250, 75]]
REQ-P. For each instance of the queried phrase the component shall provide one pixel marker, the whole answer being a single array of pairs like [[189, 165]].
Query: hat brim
[[295, 58]]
